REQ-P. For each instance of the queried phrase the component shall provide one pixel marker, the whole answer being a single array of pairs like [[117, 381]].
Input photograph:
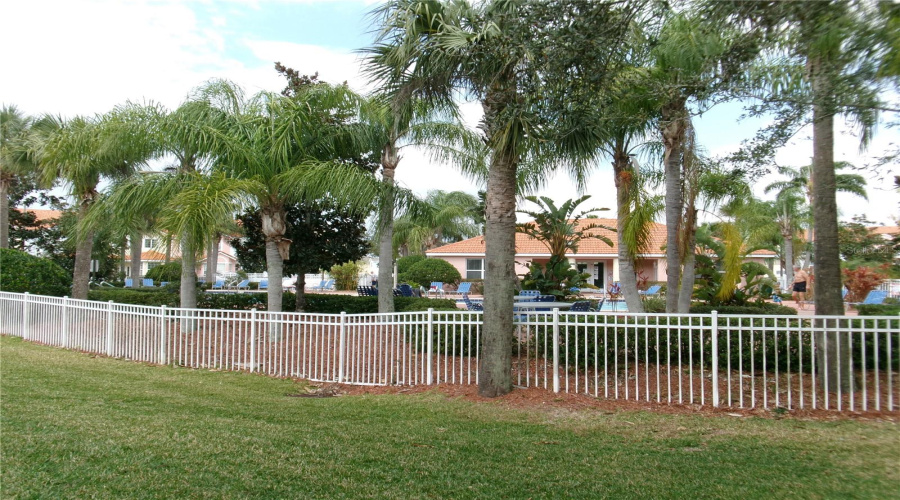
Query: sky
[[69, 57]]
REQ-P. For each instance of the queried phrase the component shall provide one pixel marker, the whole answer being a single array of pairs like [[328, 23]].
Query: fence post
[[715, 358], [429, 375], [109, 328], [65, 322], [25, 317], [555, 349], [342, 348], [252, 340], [163, 341]]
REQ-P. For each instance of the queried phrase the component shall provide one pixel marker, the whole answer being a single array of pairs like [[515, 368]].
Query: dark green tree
[[321, 235]]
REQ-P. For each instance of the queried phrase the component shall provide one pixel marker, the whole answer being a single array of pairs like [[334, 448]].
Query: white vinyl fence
[[835, 363]]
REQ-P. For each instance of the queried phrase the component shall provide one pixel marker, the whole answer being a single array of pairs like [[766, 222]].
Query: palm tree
[[799, 183], [13, 160], [436, 49], [80, 152], [447, 218]]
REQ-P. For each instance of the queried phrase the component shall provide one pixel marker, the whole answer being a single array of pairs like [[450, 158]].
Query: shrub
[[167, 272], [20, 272], [428, 270], [137, 296], [334, 304], [654, 304], [404, 263], [765, 308], [346, 276], [862, 280], [878, 309]]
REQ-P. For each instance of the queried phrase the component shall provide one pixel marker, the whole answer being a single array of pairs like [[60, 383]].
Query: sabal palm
[[14, 161], [558, 227]]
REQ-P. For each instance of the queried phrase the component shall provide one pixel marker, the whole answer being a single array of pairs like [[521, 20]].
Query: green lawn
[[78, 426]]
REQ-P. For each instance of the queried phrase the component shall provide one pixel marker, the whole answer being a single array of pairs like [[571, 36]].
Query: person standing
[[799, 287]]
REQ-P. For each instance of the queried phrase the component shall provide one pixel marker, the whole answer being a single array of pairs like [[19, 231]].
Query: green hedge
[[21, 272], [760, 310], [138, 296], [878, 310]]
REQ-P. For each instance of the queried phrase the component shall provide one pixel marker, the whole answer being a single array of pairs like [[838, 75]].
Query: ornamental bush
[[428, 270], [21, 272], [167, 272], [404, 263]]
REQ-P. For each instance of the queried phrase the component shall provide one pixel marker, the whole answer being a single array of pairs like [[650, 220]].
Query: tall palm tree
[[14, 161], [436, 49], [447, 218]]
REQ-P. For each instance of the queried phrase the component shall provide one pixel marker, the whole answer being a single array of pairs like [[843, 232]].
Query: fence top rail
[[406, 316]]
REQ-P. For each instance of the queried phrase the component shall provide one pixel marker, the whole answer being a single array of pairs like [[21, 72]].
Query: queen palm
[[799, 183], [447, 218], [14, 161], [79, 152], [437, 49]]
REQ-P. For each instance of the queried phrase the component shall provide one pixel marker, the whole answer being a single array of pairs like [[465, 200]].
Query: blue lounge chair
[[129, 283], [653, 290], [264, 285], [367, 291], [544, 298], [529, 293], [219, 285], [148, 282], [406, 290], [462, 289], [244, 284], [874, 298], [164, 283], [471, 305], [320, 286], [329, 285]]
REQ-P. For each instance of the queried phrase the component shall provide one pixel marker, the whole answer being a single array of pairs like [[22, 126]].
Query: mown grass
[[77, 426]]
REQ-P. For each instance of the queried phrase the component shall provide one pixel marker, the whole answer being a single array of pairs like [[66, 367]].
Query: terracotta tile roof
[[43, 214], [526, 245], [885, 230], [153, 255]]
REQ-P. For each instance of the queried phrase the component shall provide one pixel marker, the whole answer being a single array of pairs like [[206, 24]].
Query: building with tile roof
[[595, 256]]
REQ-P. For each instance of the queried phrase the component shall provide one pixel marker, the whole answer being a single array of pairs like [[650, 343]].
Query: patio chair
[[320, 286], [264, 285], [544, 298], [462, 289], [405, 290], [529, 293], [581, 306], [874, 298], [244, 284], [164, 283], [437, 288], [653, 290], [129, 283], [148, 282], [329, 285], [367, 291], [219, 285]]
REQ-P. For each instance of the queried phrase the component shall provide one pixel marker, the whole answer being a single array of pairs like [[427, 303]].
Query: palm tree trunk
[[212, 259], [673, 140], [168, 249], [188, 274], [389, 161], [500, 278], [828, 299], [689, 273], [624, 179], [188, 283], [4, 213], [275, 268], [82, 273], [136, 259], [300, 299], [789, 257], [122, 256]]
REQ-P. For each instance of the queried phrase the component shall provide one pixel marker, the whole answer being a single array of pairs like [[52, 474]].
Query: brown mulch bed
[[540, 399]]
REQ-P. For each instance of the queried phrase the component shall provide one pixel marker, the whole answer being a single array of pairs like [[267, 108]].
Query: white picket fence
[[711, 359]]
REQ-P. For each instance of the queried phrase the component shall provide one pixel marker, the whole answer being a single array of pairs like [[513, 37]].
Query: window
[[474, 269], [149, 243]]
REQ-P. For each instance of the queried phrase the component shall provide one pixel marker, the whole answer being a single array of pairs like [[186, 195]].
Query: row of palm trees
[[561, 83]]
